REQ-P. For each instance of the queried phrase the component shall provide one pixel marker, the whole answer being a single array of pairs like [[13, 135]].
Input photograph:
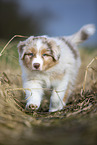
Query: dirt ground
[[76, 124]]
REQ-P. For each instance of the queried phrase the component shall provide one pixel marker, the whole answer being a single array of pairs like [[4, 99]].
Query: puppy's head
[[39, 53]]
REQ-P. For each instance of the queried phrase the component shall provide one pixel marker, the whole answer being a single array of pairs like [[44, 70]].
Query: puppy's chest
[[49, 80], [56, 76], [52, 79]]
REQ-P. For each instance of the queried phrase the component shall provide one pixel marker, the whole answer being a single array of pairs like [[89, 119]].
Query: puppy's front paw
[[31, 107], [53, 110]]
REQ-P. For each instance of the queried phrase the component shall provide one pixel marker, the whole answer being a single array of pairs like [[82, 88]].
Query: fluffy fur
[[51, 62]]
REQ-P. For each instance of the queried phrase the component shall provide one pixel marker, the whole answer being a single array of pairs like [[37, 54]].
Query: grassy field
[[76, 124]]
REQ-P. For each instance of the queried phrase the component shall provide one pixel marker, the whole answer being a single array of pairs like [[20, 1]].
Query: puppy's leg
[[33, 94], [56, 100]]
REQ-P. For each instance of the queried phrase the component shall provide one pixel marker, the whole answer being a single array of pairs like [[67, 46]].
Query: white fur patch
[[38, 45], [89, 29]]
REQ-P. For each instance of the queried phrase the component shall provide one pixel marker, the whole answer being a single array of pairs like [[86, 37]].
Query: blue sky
[[69, 15]]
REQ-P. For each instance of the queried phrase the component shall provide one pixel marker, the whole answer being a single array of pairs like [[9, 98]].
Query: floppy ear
[[55, 49], [21, 49]]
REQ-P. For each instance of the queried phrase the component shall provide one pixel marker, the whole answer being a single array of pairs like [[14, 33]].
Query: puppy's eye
[[30, 54], [44, 54]]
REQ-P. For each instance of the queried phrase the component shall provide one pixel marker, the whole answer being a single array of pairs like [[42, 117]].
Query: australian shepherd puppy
[[53, 63]]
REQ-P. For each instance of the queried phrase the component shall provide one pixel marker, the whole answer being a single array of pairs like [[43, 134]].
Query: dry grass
[[16, 124]]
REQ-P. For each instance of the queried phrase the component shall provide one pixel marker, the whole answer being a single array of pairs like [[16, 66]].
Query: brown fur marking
[[71, 47]]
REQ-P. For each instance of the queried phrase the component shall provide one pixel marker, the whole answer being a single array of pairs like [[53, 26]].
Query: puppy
[[53, 63]]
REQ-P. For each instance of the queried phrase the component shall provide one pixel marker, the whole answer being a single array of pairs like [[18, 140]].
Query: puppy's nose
[[36, 65]]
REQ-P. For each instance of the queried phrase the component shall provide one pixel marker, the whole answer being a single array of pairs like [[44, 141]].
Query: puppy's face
[[39, 53]]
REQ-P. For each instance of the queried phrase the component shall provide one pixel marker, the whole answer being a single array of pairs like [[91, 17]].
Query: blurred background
[[46, 17]]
